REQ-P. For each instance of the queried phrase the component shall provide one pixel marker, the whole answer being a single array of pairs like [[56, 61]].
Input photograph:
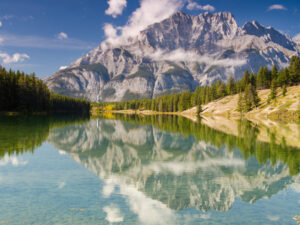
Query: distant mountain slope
[[179, 53]]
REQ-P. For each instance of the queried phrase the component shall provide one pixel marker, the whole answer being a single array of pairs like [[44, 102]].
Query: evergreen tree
[[250, 98], [245, 80], [231, 86], [274, 72], [25, 93], [273, 92], [199, 109], [259, 80], [294, 70], [240, 102], [284, 90]]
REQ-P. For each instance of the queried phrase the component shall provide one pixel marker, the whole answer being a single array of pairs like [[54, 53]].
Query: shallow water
[[154, 170]]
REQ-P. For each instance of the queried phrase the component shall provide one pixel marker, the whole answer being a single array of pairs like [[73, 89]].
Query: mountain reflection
[[163, 163]]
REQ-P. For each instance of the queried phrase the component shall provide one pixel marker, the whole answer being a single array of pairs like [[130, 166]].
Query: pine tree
[[274, 72], [231, 86], [284, 90], [259, 80], [240, 102], [199, 109], [273, 93], [294, 70], [245, 80], [250, 98]]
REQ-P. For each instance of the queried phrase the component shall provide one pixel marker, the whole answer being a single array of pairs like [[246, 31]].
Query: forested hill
[[20, 92], [246, 88]]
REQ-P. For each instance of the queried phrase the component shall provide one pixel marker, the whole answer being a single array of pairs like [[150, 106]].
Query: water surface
[[143, 170]]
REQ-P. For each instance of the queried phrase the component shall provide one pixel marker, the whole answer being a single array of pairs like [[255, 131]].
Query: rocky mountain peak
[[269, 34], [176, 54]]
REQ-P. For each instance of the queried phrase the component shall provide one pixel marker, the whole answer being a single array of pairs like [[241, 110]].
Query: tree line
[[246, 88], [20, 92], [22, 134], [247, 141]]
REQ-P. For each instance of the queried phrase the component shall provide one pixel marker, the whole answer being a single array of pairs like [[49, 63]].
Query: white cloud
[[205, 216], [276, 7], [296, 187], [45, 43], [62, 152], [61, 185], [15, 58], [273, 218], [194, 5], [297, 37], [110, 32], [7, 17], [149, 12], [113, 214], [179, 168], [13, 160], [108, 189], [181, 55], [116, 7], [148, 210], [0, 23], [62, 36]]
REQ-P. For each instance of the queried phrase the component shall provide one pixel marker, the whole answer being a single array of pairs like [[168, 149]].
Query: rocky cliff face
[[179, 53]]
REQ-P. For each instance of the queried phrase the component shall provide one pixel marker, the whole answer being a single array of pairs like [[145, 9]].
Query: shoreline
[[287, 132]]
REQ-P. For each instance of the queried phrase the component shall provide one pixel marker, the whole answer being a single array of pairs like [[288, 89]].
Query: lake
[[128, 169]]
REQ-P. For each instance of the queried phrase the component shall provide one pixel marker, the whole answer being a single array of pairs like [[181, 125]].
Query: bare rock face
[[176, 54]]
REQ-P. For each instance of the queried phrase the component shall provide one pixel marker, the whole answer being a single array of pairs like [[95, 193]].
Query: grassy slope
[[285, 106]]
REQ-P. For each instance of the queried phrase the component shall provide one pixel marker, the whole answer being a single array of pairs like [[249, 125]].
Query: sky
[[42, 36]]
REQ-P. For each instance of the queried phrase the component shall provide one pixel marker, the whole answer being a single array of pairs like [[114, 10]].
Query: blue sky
[[42, 35]]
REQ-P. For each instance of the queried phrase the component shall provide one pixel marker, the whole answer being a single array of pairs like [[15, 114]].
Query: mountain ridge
[[176, 54]]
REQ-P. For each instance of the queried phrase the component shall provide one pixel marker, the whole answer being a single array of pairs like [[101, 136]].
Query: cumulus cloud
[[297, 37], [113, 214], [62, 36], [194, 5], [148, 210], [15, 58], [116, 7], [149, 12], [110, 32], [108, 189], [276, 7], [0, 23]]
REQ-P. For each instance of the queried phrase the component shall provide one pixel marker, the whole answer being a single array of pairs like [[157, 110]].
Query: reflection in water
[[177, 164], [19, 134]]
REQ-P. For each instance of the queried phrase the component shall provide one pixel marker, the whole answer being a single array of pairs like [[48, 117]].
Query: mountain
[[138, 160], [176, 54]]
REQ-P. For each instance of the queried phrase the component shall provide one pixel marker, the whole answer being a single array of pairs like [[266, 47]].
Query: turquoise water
[[109, 171]]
